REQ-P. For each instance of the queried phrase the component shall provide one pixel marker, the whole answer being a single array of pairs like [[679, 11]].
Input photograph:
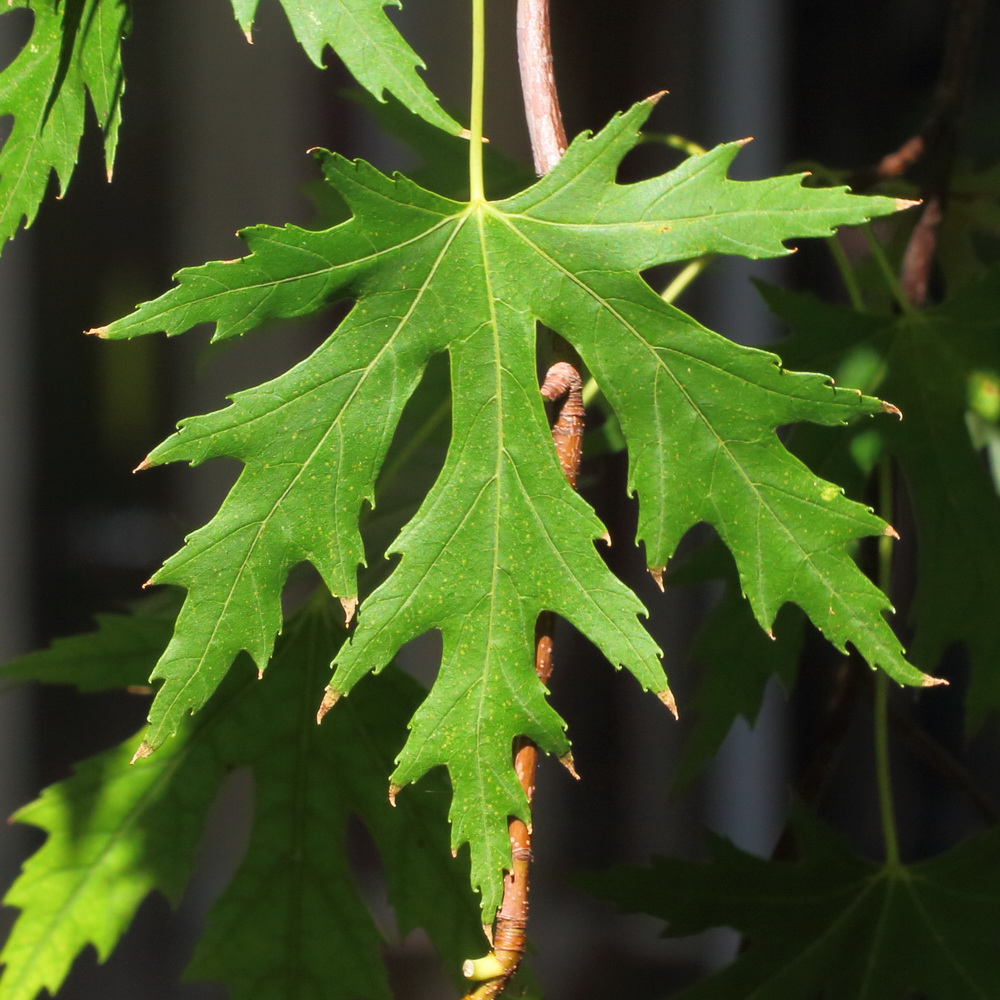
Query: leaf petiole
[[881, 706], [477, 190]]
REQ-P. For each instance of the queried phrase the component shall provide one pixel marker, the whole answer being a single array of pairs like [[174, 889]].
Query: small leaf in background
[[360, 32], [736, 660], [292, 916], [120, 653], [930, 364], [74, 51], [831, 924], [501, 537]]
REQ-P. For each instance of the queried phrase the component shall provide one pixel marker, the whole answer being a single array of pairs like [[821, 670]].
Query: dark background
[[214, 138]]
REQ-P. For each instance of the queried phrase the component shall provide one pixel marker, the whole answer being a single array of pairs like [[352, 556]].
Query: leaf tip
[[667, 697], [144, 751], [902, 204], [889, 408], [394, 790], [655, 98], [97, 331], [745, 141], [567, 762], [143, 465], [606, 538], [890, 532], [929, 682], [657, 575], [330, 698], [350, 605]]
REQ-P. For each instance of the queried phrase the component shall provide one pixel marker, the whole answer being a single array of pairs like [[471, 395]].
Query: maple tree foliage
[[716, 433]]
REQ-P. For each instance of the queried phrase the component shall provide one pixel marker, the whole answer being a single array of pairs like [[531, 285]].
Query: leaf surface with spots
[[500, 536]]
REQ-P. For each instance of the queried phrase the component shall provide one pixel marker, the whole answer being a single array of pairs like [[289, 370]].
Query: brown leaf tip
[[666, 696], [567, 762], [929, 682], [657, 575], [350, 605], [394, 790], [890, 532], [902, 204], [97, 331], [143, 465], [657, 97], [144, 751], [889, 408], [330, 698]]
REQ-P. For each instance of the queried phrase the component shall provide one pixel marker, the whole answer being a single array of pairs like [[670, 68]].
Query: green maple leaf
[[831, 924], [291, 920], [360, 32], [930, 362], [501, 536], [74, 50]]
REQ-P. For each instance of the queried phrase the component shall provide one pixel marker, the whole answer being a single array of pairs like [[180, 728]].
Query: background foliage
[[937, 362]]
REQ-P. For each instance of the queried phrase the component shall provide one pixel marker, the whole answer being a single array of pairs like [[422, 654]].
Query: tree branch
[[538, 84]]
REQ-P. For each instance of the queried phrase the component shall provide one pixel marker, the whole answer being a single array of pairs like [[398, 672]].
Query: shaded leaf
[[832, 924], [292, 920], [929, 365], [736, 658], [121, 652]]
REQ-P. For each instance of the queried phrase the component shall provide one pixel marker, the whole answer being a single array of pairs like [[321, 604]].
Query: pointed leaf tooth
[[350, 605], [567, 762], [667, 697], [330, 698]]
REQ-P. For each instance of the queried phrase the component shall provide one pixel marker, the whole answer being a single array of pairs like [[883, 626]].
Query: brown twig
[[938, 129], [538, 84], [936, 141], [561, 381]]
